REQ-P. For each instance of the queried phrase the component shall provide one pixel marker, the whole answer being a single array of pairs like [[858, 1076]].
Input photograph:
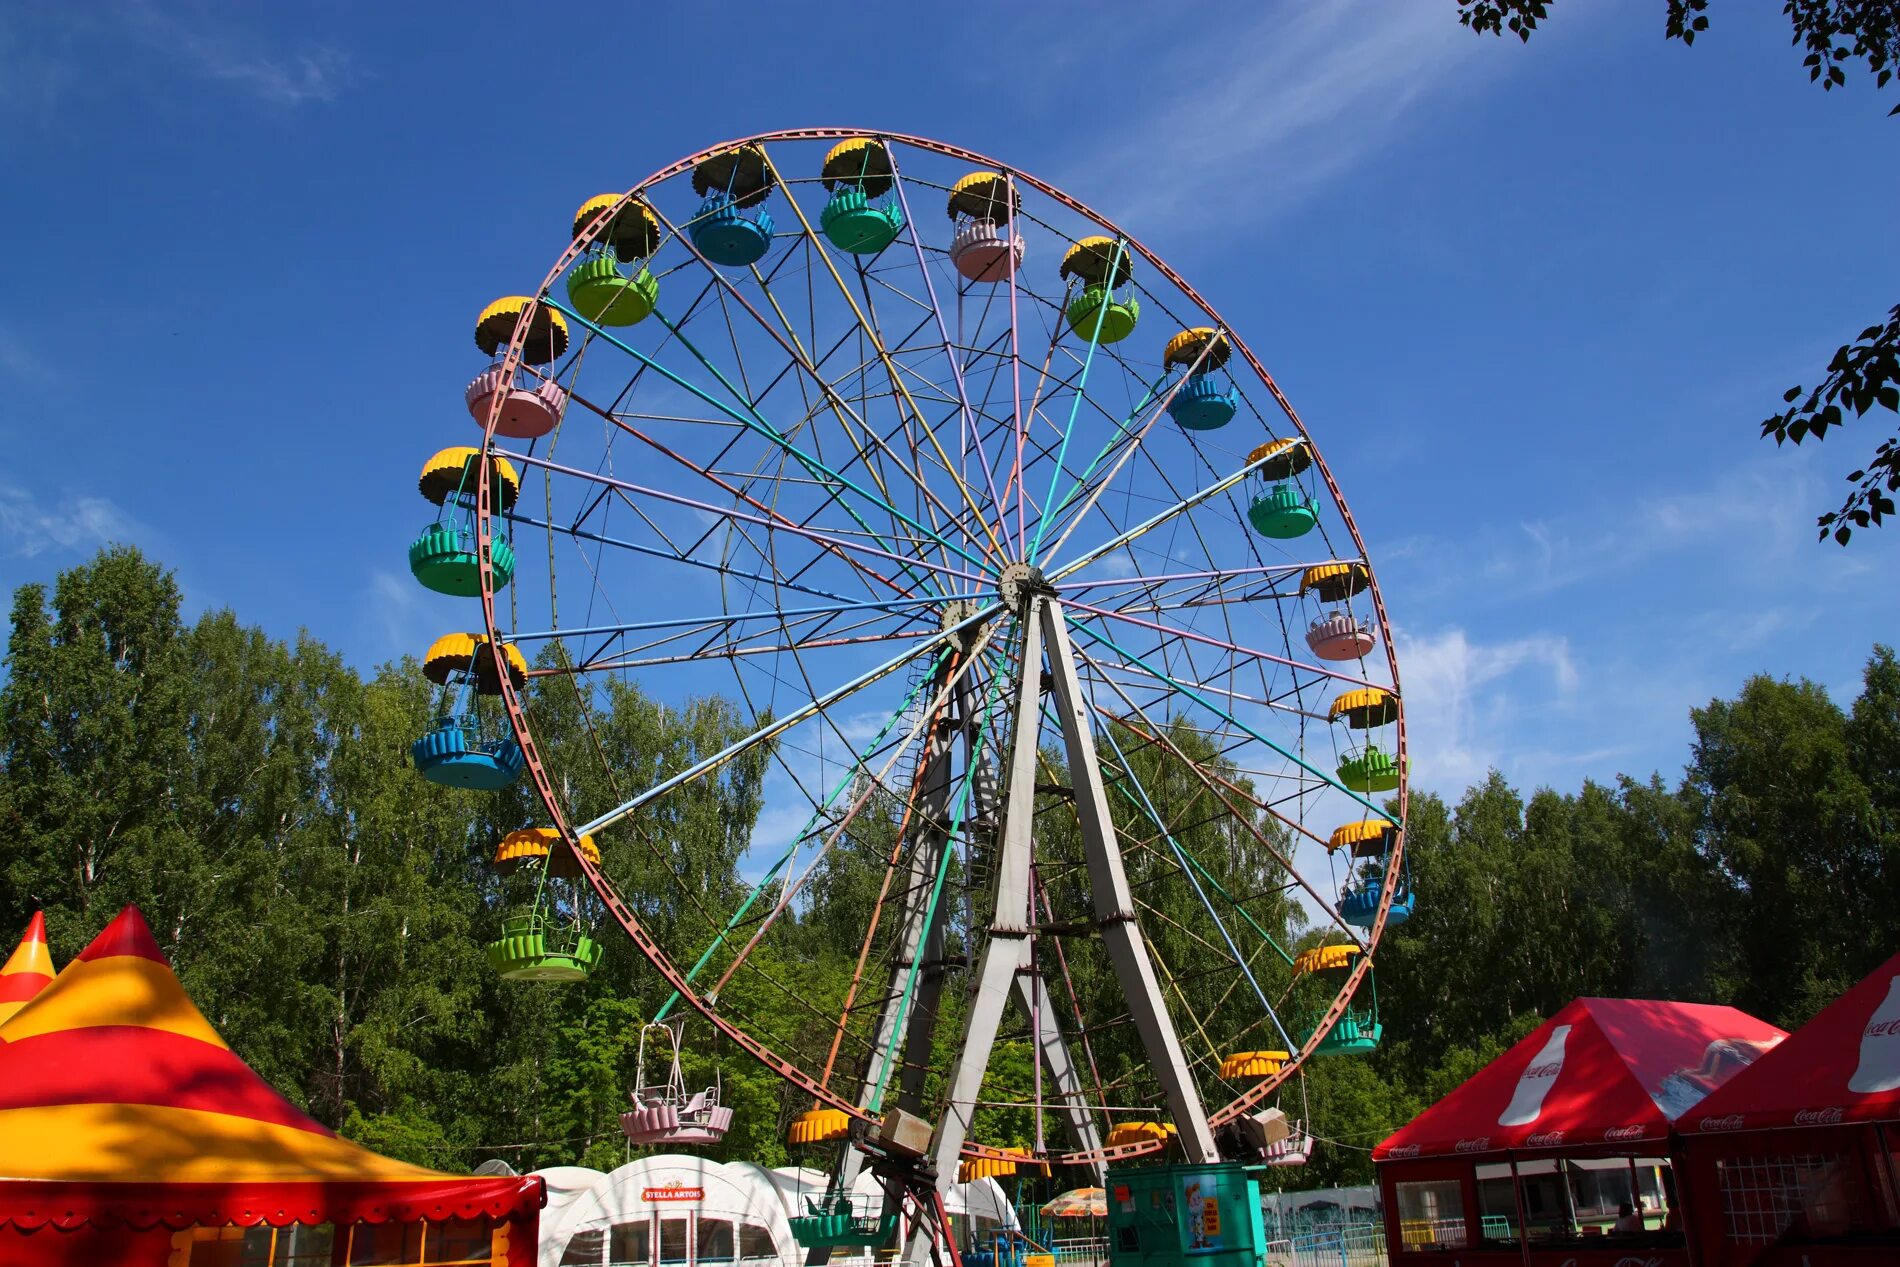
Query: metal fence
[[1342, 1245]]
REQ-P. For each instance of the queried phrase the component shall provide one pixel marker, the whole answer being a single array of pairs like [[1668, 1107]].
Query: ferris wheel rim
[[512, 700]]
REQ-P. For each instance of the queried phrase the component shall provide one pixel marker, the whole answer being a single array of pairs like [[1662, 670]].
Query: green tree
[[1781, 810], [93, 718]]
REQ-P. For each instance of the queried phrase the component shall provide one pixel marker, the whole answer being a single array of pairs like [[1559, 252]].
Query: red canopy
[[121, 1107], [1842, 1066], [1601, 1071]]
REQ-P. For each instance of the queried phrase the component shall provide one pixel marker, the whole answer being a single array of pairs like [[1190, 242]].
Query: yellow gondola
[[1288, 458], [1367, 838], [1335, 582], [1364, 708], [547, 329], [1252, 1064], [455, 653], [862, 161], [1125, 1133], [1184, 349], [1101, 264], [634, 232], [741, 173], [1337, 958], [536, 844], [818, 1126], [985, 196], [451, 472]]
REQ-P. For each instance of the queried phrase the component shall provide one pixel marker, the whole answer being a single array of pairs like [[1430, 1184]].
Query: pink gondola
[[526, 412], [665, 1114], [1340, 636], [984, 251], [1295, 1150]]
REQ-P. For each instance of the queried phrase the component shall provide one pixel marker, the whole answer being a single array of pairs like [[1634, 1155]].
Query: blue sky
[[1531, 300]]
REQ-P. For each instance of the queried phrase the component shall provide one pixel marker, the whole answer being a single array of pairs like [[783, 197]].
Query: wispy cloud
[[33, 527], [1751, 521], [1262, 116], [1464, 698], [19, 364], [49, 51], [311, 72], [397, 613], [32, 78]]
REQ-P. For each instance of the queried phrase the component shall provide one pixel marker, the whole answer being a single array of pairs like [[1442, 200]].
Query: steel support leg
[[1115, 905], [916, 940], [1083, 1131], [1007, 947]]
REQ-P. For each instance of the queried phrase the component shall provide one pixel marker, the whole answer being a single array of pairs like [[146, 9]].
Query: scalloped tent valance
[[123, 1111]]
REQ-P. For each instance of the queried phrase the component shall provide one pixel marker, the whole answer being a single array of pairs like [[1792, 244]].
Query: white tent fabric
[[983, 1199], [701, 1193]]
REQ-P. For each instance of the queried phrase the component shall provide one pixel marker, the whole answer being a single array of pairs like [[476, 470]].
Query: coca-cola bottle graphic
[[1534, 1083], [1879, 1068]]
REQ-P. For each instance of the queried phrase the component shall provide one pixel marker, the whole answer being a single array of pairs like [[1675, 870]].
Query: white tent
[[983, 1199], [681, 1210]]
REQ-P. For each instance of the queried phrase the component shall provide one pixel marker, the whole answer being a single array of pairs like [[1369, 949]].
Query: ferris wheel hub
[[956, 612], [1019, 583]]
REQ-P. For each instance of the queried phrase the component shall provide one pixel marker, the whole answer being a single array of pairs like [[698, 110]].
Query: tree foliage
[[1866, 372], [327, 909]]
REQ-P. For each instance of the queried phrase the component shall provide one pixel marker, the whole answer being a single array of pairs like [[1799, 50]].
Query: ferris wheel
[[1054, 667]]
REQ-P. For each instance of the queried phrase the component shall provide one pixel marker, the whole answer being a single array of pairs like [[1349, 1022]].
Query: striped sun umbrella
[[1078, 1203]]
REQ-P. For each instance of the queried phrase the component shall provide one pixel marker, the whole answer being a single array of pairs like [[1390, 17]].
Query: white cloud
[[49, 51], [1261, 117], [399, 612], [31, 82], [313, 72], [1464, 700], [19, 363], [33, 527], [1752, 521]]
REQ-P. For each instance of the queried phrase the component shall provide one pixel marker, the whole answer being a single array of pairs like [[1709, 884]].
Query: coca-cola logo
[[1549, 1139], [1883, 1029], [1624, 1132], [1403, 1151], [1549, 1069], [1477, 1145], [1818, 1117], [1733, 1122]]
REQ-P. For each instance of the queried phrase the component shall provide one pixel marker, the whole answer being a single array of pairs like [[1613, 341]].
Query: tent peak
[[28, 970], [127, 934]]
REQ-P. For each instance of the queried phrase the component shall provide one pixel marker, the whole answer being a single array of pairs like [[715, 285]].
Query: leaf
[[1794, 393]]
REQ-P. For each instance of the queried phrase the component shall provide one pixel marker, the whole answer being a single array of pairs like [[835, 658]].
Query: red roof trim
[[28, 1204]]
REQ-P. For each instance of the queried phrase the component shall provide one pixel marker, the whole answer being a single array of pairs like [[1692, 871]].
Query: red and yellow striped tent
[[29, 969], [130, 1133]]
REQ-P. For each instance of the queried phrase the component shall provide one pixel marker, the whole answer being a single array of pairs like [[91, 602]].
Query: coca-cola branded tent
[[1559, 1149], [1793, 1160]]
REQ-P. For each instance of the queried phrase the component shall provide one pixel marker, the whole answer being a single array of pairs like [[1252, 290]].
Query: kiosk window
[[584, 1249], [1431, 1214]]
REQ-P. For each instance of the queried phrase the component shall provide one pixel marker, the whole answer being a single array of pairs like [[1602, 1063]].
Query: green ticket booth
[[1167, 1216]]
